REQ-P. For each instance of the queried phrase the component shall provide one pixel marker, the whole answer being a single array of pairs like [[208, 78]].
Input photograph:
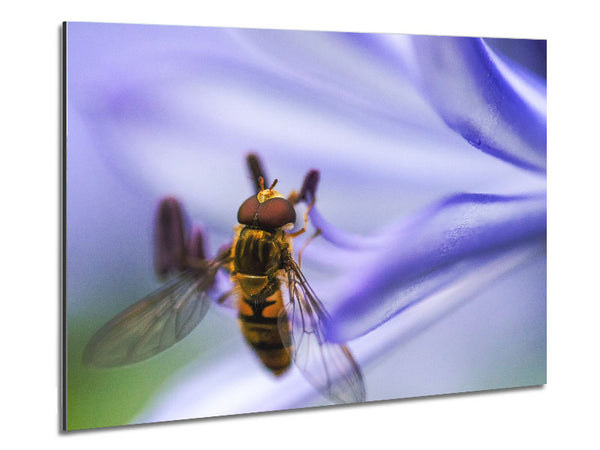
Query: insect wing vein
[[154, 323], [329, 366]]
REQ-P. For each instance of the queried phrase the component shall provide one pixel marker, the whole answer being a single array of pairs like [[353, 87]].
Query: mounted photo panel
[[261, 220]]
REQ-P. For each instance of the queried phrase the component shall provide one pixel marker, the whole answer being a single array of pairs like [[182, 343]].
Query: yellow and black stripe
[[259, 318], [261, 314]]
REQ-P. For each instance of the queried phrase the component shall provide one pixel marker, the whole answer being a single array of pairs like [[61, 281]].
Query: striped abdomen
[[259, 317], [255, 265]]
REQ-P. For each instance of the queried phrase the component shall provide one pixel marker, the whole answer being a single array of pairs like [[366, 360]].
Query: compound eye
[[275, 213], [248, 210]]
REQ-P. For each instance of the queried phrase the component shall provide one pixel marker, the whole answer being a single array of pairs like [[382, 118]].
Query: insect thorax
[[259, 252]]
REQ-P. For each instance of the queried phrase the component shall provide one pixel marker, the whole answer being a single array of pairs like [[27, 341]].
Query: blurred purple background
[[434, 298]]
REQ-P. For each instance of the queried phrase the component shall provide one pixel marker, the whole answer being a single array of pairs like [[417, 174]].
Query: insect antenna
[[256, 169]]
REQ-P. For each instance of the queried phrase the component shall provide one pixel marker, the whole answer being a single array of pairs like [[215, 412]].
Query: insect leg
[[294, 197], [307, 194], [303, 229], [224, 297], [228, 299], [308, 241]]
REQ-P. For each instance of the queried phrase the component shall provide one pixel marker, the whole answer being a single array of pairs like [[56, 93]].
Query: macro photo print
[[261, 220]]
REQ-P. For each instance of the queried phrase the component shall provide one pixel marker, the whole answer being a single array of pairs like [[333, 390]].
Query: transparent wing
[[328, 366], [154, 323]]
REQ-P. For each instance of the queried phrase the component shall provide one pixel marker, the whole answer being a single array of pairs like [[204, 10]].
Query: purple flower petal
[[434, 304], [165, 120], [174, 111], [192, 392], [221, 388], [495, 107], [425, 252]]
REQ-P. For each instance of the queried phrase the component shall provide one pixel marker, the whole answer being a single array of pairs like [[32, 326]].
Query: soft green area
[[111, 397]]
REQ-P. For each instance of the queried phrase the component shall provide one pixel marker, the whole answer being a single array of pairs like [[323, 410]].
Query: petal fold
[[496, 106], [419, 255]]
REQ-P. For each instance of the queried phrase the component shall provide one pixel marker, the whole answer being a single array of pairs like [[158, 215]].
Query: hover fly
[[280, 316]]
